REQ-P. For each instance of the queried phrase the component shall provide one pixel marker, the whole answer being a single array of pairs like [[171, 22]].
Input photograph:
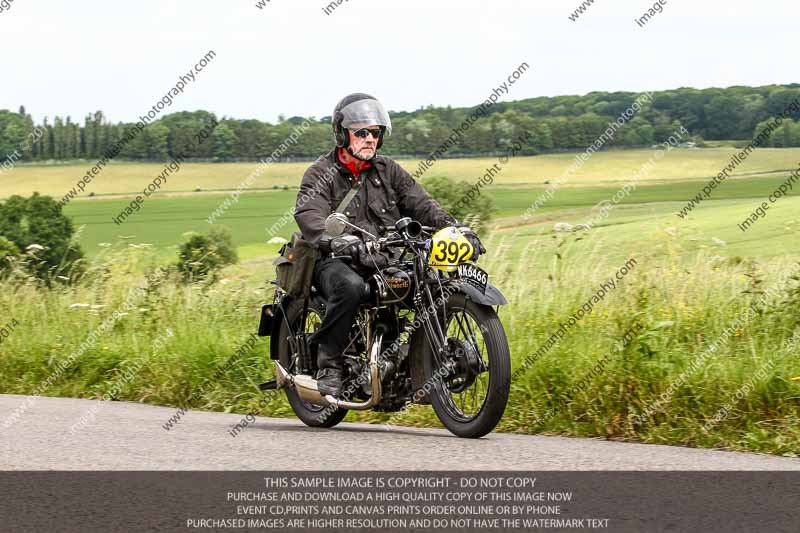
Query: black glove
[[472, 237], [324, 244], [372, 259], [347, 245]]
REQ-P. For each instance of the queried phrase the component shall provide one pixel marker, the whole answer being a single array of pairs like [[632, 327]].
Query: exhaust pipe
[[375, 378], [306, 386]]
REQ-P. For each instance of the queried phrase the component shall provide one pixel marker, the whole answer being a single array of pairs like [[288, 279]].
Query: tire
[[496, 358], [311, 415]]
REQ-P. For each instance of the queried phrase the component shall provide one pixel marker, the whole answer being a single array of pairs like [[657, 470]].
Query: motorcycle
[[427, 332]]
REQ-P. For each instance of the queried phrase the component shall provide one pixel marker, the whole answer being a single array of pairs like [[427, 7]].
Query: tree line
[[548, 124]]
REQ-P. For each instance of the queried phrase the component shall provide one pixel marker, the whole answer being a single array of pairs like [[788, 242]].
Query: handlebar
[[396, 239], [385, 229], [392, 237]]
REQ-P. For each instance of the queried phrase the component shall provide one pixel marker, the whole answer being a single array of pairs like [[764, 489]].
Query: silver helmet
[[359, 110]]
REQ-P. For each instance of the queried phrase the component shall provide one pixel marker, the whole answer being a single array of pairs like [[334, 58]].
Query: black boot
[[329, 376], [329, 381]]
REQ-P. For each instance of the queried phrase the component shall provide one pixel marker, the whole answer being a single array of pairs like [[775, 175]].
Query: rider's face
[[364, 147]]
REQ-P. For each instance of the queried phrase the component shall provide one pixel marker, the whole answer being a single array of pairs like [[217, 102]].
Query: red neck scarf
[[351, 164]]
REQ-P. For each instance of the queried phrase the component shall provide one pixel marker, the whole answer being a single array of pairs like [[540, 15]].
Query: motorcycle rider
[[383, 193]]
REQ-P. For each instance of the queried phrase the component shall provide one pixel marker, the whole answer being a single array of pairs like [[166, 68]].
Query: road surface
[[131, 436]]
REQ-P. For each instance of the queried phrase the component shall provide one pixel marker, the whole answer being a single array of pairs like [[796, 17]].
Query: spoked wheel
[[469, 388], [311, 415]]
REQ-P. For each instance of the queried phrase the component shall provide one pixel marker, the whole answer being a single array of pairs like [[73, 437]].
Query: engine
[[391, 285]]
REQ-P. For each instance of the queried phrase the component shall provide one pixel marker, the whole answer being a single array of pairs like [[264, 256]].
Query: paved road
[[130, 436]]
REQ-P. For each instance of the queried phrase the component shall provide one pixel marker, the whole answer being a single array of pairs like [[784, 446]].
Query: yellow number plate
[[449, 249]]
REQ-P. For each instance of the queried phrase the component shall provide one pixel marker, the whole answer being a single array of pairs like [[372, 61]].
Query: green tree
[[455, 198], [12, 133], [7, 250], [184, 127], [250, 137], [725, 115], [37, 226], [49, 142], [202, 255], [223, 142], [780, 99], [70, 148], [786, 135], [149, 144]]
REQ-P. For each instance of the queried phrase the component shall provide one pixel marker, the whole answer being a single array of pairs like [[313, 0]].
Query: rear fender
[[270, 324], [273, 316]]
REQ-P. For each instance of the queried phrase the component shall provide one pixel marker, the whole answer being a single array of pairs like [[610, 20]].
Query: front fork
[[433, 327]]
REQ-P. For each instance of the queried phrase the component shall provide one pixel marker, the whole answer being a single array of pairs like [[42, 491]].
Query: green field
[[693, 277], [653, 206]]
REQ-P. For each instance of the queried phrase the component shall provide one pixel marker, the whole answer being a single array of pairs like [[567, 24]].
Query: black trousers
[[344, 289]]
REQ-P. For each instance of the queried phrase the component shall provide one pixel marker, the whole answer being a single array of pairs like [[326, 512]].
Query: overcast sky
[[72, 58]]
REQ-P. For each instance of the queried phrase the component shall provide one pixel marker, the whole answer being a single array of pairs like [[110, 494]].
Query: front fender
[[418, 343], [491, 297]]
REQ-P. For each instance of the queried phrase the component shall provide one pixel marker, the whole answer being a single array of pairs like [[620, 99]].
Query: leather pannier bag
[[295, 266]]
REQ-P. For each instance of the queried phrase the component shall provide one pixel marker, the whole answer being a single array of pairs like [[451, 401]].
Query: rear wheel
[[469, 388], [311, 415]]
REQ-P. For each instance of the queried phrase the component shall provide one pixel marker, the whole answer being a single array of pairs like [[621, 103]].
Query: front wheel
[[469, 387]]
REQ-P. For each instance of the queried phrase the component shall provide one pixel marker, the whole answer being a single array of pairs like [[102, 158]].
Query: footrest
[[269, 385]]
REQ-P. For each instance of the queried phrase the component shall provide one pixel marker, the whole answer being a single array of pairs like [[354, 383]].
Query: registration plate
[[474, 276]]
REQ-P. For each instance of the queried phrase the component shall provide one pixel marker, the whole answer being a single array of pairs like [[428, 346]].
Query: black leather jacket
[[387, 194]]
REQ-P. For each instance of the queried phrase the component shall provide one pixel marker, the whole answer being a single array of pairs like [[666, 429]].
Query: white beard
[[364, 154]]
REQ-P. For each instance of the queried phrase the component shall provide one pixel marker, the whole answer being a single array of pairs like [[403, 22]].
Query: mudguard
[[267, 320], [492, 296], [270, 323], [418, 343]]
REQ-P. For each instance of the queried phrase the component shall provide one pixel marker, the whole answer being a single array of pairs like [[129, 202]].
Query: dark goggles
[[363, 132]]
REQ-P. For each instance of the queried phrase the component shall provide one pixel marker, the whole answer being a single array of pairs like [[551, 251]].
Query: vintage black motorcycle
[[427, 332]]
